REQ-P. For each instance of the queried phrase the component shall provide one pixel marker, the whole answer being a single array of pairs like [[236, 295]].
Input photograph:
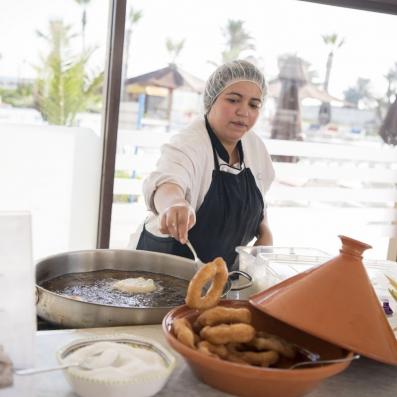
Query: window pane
[[51, 79], [335, 174]]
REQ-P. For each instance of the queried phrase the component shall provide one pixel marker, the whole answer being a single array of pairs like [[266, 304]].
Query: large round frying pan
[[69, 313]]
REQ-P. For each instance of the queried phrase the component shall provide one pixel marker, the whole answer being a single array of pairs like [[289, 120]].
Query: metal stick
[[319, 362], [196, 258]]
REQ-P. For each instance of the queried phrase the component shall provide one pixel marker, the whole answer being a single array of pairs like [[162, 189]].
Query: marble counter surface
[[363, 378]]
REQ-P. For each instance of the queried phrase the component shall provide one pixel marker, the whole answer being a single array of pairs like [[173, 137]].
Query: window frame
[[110, 120], [382, 6]]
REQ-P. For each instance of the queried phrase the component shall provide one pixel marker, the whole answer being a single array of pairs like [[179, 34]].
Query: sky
[[277, 27]]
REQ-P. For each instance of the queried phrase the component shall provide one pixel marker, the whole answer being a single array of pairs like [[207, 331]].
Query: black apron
[[228, 217]]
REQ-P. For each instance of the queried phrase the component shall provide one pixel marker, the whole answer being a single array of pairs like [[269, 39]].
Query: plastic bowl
[[135, 385], [247, 381]]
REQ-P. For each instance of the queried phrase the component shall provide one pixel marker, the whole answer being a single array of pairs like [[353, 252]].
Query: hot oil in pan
[[96, 287]]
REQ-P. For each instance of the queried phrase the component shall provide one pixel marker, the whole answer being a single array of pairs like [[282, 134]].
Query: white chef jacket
[[188, 161]]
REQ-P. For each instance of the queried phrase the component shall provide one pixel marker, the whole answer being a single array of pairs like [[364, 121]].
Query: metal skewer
[[196, 258], [320, 362]]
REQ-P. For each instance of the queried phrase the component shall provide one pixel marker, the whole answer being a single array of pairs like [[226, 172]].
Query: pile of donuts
[[226, 332]]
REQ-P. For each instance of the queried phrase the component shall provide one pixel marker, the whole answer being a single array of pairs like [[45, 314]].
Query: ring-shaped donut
[[216, 272], [262, 359], [224, 315], [265, 341], [183, 332], [228, 333]]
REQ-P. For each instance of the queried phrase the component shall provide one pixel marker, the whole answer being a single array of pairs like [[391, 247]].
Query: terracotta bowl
[[249, 381]]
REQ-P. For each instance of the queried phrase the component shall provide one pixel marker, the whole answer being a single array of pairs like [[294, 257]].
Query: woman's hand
[[176, 215], [177, 220]]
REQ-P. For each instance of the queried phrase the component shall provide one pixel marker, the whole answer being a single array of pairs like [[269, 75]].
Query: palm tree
[[133, 18], [83, 3], [63, 86], [387, 110], [391, 77], [237, 40], [333, 42], [174, 48], [361, 92]]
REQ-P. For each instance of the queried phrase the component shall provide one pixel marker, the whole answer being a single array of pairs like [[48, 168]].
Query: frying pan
[[70, 313]]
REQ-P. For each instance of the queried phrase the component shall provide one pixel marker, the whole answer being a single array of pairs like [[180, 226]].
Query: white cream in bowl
[[116, 366], [113, 361]]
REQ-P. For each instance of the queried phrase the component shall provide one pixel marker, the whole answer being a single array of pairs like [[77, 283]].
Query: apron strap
[[215, 153], [216, 160]]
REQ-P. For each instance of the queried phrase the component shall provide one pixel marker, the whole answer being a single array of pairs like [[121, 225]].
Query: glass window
[[52, 59], [331, 80]]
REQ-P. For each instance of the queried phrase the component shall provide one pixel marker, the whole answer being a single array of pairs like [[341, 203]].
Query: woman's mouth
[[239, 124]]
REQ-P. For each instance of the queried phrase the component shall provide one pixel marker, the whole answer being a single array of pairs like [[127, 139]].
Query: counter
[[364, 377]]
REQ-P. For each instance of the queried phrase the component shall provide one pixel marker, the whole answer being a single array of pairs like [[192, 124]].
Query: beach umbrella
[[168, 78], [305, 91], [388, 129], [171, 77]]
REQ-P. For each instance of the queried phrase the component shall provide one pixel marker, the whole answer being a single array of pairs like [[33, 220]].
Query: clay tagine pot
[[336, 302]]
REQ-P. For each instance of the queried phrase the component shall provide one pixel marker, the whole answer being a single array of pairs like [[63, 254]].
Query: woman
[[211, 178]]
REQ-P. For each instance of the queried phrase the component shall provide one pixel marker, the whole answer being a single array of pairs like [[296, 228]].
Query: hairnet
[[230, 73]]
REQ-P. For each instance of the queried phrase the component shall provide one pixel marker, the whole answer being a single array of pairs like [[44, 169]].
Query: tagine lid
[[336, 302]]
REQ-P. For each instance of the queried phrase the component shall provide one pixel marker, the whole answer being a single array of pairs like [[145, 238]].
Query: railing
[[331, 189]]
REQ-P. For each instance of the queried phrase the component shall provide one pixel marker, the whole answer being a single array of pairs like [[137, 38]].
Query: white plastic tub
[[270, 265]]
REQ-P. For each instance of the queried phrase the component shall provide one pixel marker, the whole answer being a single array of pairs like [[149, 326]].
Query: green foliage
[[174, 48], [134, 16], [20, 97], [63, 86], [333, 41], [391, 77], [360, 93], [237, 40], [122, 174]]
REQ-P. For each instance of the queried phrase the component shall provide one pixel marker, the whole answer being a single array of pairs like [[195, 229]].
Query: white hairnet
[[230, 73]]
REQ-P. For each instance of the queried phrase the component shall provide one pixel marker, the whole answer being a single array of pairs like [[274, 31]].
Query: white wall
[[54, 173]]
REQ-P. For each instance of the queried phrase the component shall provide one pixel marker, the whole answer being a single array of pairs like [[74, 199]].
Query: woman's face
[[235, 111]]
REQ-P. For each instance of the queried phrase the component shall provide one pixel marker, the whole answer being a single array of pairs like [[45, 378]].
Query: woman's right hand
[[177, 220]]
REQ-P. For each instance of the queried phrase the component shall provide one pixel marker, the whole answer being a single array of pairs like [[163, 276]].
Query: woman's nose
[[243, 110]]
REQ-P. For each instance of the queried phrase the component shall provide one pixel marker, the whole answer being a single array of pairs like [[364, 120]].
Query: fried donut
[[228, 333], [215, 271], [262, 359], [183, 332], [218, 351], [224, 315], [264, 341]]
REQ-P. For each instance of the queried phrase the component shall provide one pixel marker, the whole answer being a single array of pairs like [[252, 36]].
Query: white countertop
[[364, 377]]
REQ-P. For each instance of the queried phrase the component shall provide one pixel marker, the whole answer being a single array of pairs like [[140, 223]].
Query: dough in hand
[[139, 285]]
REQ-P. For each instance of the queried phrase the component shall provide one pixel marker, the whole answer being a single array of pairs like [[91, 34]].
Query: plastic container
[[270, 265]]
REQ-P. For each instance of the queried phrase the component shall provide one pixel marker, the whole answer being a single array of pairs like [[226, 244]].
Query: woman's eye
[[256, 105], [232, 100]]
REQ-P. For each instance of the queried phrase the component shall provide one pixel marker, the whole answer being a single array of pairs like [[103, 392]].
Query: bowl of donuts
[[234, 347]]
